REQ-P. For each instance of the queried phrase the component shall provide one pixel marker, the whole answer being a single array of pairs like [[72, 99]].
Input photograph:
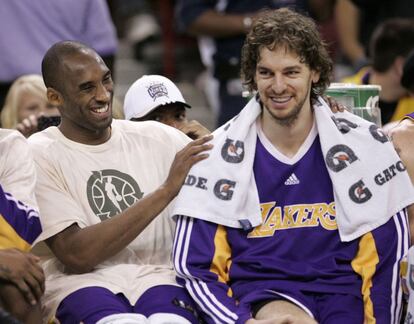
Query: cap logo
[[157, 90]]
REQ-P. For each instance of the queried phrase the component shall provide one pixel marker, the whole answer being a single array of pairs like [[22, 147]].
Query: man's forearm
[[82, 249]]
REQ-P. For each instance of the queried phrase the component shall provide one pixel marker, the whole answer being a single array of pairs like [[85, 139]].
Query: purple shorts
[[89, 305]]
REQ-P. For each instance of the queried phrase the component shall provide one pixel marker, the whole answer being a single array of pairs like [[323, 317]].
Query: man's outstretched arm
[[81, 249]]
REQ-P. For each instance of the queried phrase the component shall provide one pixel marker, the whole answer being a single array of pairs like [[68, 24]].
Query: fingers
[[28, 126], [192, 151], [334, 105], [26, 291], [203, 139], [35, 282], [32, 281], [39, 277], [194, 129], [23, 270]]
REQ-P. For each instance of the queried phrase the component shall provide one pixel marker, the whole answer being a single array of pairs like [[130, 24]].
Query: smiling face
[[284, 85], [85, 99]]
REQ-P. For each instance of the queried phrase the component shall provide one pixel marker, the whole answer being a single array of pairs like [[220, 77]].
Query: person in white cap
[[155, 97]]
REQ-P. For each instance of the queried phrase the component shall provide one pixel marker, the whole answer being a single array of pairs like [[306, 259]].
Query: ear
[[399, 65], [54, 97], [315, 75]]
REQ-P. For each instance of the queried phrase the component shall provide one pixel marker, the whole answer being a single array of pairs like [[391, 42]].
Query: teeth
[[101, 110], [281, 100]]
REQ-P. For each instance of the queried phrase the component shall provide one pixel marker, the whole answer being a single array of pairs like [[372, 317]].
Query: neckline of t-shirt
[[279, 155], [86, 147]]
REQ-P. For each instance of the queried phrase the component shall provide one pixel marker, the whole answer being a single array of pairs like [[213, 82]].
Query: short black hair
[[407, 79], [391, 39], [52, 61]]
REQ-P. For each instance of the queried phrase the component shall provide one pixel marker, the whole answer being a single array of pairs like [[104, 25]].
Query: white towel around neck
[[369, 181]]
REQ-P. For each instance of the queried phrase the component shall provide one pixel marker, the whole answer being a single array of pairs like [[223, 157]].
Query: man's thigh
[[90, 304], [167, 299]]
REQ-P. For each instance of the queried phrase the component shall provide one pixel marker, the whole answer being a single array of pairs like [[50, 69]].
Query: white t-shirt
[[17, 171], [86, 184]]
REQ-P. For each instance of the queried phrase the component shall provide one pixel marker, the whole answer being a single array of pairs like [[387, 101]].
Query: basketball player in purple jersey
[[293, 268]]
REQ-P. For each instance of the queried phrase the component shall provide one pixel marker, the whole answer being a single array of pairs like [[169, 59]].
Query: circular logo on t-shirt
[[110, 192]]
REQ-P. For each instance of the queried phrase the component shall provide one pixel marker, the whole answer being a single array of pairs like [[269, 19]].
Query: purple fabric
[[411, 116], [306, 250], [24, 220], [296, 251], [28, 28], [89, 305]]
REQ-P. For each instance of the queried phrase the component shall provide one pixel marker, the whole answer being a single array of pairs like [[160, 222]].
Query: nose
[[103, 94], [278, 84]]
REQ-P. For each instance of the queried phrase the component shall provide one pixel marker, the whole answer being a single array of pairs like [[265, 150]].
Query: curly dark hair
[[292, 31]]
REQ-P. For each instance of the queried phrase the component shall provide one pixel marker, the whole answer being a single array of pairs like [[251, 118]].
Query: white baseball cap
[[150, 92]]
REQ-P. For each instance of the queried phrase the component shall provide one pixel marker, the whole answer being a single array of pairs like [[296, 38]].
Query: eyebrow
[[91, 83], [108, 73], [290, 67]]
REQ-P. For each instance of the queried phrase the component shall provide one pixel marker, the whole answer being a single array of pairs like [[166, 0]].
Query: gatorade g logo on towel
[[223, 189], [339, 156], [233, 152], [110, 192], [359, 193], [157, 90], [344, 125], [378, 134]]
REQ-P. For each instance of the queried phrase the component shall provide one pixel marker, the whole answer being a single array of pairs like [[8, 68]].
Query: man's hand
[[194, 129], [333, 104], [28, 126], [402, 137], [184, 160], [23, 270]]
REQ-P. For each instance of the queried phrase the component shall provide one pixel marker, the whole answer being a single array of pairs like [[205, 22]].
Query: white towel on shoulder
[[370, 183]]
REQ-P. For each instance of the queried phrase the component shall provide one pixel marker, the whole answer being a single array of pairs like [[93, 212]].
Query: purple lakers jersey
[[298, 237]]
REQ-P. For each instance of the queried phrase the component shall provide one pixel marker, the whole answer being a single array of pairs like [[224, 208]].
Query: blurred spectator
[[390, 44], [28, 28], [407, 79], [25, 102], [135, 21], [155, 97], [356, 21], [403, 134], [21, 276]]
